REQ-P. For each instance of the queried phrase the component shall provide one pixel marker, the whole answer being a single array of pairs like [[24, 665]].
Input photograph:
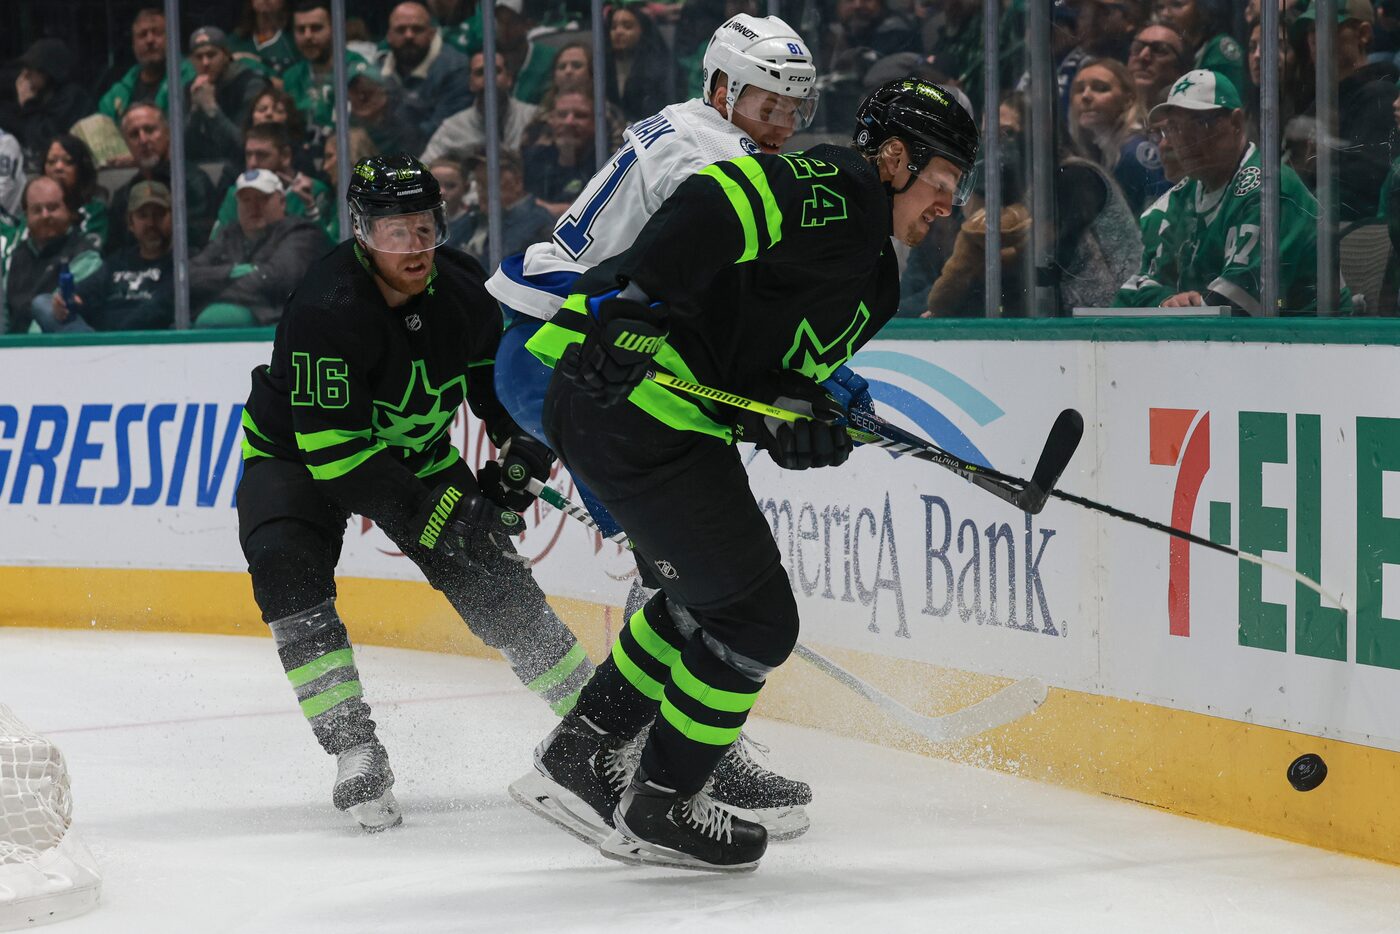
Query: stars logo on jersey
[[749, 146], [423, 415], [814, 359], [1247, 180]]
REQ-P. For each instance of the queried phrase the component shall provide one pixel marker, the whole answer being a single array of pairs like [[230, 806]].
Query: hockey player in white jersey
[[761, 87]]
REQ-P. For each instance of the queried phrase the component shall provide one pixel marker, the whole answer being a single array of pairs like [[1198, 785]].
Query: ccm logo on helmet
[[743, 30]]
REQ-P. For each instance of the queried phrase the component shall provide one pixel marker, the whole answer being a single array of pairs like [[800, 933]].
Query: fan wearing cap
[[242, 277], [133, 290], [379, 345], [761, 276], [1208, 250], [1365, 97], [46, 102], [219, 98]]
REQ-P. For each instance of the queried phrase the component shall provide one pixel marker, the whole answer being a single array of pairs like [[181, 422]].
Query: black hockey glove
[[522, 459], [815, 441], [613, 359], [463, 526]]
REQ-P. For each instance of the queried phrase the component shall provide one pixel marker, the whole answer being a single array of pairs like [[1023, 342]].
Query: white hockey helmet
[[766, 53]]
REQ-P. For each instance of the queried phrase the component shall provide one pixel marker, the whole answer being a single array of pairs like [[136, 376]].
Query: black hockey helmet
[[396, 185], [927, 118]]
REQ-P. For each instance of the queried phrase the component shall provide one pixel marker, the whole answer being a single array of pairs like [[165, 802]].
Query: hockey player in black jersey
[[377, 349], [760, 275]]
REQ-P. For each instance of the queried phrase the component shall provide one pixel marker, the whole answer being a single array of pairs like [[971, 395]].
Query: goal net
[[46, 874]]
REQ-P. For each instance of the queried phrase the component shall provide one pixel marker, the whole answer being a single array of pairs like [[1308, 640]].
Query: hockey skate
[[743, 785], [363, 783], [655, 826], [579, 778]]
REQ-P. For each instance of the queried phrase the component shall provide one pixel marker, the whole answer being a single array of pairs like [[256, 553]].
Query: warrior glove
[[507, 480], [613, 359], [817, 440], [466, 526]]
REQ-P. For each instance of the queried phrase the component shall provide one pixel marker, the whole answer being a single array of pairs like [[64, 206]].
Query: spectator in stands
[[432, 76], [1103, 29], [220, 98], [311, 81], [560, 160], [46, 102], [530, 63], [245, 274], [1365, 97], [1209, 251], [523, 219], [12, 178], [1205, 25], [573, 71], [68, 161], [361, 147], [641, 76], [264, 36], [376, 106], [1289, 80], [464, 132], [459, 24], [51, 239], [266, 147], [1156, 58], [133, 290], [460, 221], [1106, 124], [144, 83], [275, 106], [147, 135]]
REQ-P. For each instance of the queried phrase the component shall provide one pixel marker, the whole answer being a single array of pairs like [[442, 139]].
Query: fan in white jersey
[[762, 89]]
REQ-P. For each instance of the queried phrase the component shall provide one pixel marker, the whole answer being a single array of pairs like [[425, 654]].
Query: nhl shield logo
[[414, 322], [667, 570]]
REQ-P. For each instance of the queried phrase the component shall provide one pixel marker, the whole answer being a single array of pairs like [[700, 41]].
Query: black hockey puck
[[1307, 771]]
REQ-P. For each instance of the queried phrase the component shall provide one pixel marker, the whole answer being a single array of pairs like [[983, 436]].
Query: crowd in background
[[1140, 195]]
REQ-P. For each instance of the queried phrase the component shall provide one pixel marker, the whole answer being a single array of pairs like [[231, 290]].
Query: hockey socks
[[703, 708], [626, 688], [561, 685], [316, 654]]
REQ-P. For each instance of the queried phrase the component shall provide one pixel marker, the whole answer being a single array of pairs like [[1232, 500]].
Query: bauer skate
[[579, 778], [655, 826], [363, 783]]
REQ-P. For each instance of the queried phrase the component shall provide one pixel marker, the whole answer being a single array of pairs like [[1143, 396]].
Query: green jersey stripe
[[329, 438], [740, 202], [771, 212], [346, 464]]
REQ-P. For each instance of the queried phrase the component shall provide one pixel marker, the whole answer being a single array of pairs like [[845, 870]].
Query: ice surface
[[204, 798]]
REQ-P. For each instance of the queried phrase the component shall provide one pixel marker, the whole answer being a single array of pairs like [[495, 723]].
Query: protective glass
[[774, 109], [403, 233]]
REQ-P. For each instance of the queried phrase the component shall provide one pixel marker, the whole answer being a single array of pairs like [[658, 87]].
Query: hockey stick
[[1028, 496], [1010, 703], [1031, 497]]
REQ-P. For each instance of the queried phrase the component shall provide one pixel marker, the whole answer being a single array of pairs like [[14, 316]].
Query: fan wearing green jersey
[[1207, 248], [376, 350]]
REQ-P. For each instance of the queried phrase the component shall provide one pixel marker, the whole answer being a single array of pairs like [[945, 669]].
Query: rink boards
[[1182, 678]]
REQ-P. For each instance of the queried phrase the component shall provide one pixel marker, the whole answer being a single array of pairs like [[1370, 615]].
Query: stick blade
[[1054, 458]]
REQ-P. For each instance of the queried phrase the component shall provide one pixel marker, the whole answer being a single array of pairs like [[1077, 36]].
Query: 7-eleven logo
[[1180, 438]]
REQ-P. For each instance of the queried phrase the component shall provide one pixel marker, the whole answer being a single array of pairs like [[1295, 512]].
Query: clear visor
[[774, 109], [944, 176], [403, 233]]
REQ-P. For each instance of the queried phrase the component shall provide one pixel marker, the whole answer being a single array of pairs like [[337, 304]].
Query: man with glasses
[[1208, 251], [377, 349], [1156, 58]]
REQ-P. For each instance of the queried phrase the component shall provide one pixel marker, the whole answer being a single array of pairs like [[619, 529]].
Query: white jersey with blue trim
[[657, 154]]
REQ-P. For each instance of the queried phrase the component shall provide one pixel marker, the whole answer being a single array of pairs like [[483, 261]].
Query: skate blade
[[560, 807], [378, 815], [634, 852], [785, 823]]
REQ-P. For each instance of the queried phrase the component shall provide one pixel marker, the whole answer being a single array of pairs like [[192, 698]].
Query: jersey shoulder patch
[[1247, 180]]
